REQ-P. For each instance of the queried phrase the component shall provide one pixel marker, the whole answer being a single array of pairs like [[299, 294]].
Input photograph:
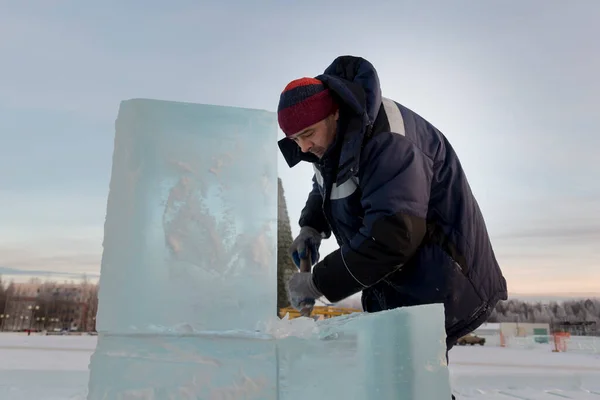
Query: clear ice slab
[[395, 354], [191, 224], [187, 302], [200, 366]]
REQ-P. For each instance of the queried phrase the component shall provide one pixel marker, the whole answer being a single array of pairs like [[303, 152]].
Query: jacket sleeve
[[395, 182], [312, 214]]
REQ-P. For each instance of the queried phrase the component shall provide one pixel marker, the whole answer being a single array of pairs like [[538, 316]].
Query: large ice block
[[396, 354], [190, 232]]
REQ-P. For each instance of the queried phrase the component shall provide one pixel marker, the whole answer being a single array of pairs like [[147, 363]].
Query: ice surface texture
[[391, 355], [191, 226], [396, 354], [187, 304]]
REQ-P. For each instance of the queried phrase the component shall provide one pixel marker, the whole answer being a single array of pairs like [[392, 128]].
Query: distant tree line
[[514, 310], [554, 312]]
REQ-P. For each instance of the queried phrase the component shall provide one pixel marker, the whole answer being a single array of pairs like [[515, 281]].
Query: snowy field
[[56, 367]]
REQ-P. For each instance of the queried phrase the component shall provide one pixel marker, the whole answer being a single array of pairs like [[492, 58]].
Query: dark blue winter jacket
[[393, 192]]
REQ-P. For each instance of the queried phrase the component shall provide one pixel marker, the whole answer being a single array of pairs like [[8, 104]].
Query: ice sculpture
[[187, 303]]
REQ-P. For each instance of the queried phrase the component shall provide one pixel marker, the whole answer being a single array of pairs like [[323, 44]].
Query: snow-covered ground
[[56, 367]]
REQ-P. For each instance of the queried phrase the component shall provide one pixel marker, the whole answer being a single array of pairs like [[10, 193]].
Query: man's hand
[[308, 238], [302, 290]]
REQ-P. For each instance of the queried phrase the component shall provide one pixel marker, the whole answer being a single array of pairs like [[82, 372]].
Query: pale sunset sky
[[513, 85]]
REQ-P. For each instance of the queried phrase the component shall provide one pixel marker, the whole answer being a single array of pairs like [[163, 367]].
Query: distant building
[[577, 328], [513, 329], [522, 329], [50, 306], [500, 333], [20, 310], [488, 329]]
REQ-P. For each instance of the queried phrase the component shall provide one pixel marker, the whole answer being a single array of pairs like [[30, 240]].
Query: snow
[[529, 373], [56, 367]]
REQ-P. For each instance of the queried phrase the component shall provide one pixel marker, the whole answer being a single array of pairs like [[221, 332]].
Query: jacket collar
[[353, 82]]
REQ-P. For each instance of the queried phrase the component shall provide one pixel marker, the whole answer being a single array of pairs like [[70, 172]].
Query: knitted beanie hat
[[302, 103]]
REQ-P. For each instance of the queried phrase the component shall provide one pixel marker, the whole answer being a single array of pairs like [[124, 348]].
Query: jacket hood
[[355, 83]]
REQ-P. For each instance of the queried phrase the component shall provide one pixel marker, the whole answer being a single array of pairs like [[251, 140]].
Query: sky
[[513, 85]]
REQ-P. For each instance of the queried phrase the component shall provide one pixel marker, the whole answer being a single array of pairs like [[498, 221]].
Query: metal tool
[[306, 304]]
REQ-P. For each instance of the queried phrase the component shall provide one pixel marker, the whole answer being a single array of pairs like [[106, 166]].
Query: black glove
[[308, 238]]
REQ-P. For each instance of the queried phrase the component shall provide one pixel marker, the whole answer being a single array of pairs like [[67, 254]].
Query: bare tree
[[3, 296]]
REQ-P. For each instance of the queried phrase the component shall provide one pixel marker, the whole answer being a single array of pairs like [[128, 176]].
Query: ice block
[[396, 354], [190, 232], [188, 281], [212, 366]]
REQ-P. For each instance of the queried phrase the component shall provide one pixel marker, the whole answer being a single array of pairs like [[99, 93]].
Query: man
[[391, 189]]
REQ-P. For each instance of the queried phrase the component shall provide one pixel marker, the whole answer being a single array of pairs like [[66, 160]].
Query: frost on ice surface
[[384, 354], [190, 233], [302, 327], [183, 367], [187, 302]]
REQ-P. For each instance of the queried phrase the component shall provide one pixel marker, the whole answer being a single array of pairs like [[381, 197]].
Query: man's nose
[[305, 145]]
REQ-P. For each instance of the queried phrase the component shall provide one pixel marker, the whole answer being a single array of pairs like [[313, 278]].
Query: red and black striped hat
[[302, 103]]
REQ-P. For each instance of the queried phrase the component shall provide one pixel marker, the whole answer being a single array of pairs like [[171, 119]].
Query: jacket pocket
[[464, 305]]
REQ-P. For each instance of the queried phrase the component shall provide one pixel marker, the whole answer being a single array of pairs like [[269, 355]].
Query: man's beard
[[319, 151]]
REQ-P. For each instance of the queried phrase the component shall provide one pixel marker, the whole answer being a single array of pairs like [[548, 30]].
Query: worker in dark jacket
[[391, 189]]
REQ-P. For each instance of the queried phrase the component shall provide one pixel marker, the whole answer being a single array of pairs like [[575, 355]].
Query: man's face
[[317, 138]]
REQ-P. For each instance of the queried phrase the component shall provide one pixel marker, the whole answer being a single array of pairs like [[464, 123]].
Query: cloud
[[44, 273], [70, 262], [40, 74], [575, 232]]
